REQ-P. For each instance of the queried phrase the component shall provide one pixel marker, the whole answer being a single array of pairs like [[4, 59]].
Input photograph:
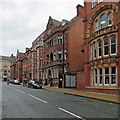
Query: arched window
[[96, 25], [102, 21], [105, 46], [113, 44], [109, 19]]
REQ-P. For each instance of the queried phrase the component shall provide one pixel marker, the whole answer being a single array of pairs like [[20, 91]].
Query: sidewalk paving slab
[[84, 93]]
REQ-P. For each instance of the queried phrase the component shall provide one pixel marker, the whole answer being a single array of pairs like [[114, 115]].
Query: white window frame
[[104, 47], [99, 1], [99, 48], [103, 21], [65, 54], [104, 77], [109, 18], [100, 75], [93, 3], [54, 56], [96, 25], [91, 77], [95, 76], [113, 74], [113, 44]]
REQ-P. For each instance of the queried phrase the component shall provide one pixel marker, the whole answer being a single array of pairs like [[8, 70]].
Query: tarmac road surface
[[22, 102]]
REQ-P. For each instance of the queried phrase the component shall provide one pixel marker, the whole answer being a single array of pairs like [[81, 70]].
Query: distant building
[[13, 68], [27, 64], [37, 58], [4, 67]]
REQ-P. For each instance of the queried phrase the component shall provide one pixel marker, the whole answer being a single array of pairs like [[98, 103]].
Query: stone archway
[[97, 12]]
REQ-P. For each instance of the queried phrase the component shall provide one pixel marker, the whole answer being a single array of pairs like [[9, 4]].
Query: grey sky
[[22, 22]]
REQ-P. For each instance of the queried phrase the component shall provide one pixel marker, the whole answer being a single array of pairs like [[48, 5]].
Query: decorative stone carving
[[102, 8]]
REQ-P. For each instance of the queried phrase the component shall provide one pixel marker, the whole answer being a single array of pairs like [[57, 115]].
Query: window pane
[[113, 39], [113, 75], [95, 76], [99, 48], [105, 41], [96, 25], [113, 44], [113, 49], [109, 19], [103, 21], [106, 50], [106, 46], [113, 70], [94, 49], [106, 75], [100, 52], [100, 76]]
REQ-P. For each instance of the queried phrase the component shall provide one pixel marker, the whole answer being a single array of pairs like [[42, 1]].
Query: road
[[22, 102]]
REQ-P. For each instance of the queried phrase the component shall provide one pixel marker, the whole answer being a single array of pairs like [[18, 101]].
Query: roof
[[56, 22]]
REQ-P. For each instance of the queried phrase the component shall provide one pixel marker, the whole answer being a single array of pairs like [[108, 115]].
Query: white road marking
[[38, 98], [20, 91], [71, 113]]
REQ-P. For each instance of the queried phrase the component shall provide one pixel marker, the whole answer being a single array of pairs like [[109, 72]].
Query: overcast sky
[[22, 22]]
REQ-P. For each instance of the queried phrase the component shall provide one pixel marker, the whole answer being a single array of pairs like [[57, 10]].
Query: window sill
[[103, 87]]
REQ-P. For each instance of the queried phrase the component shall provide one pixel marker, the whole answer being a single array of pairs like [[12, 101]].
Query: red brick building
[[62, 42], [19, 64], [37, 58], [27, 65], [82, 53], [101, 45]]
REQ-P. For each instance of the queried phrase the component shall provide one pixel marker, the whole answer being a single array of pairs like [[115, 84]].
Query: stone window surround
[[103, 77], [96, 40], [98, 18]]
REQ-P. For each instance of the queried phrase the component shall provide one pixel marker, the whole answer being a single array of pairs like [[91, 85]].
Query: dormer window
[[93, 3]]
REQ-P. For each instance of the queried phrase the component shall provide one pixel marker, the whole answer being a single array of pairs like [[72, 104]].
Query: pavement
[[84, 93]]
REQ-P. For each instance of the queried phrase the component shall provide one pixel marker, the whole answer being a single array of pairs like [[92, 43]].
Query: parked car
[[11, 81], [17, 82], [34, 84]]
